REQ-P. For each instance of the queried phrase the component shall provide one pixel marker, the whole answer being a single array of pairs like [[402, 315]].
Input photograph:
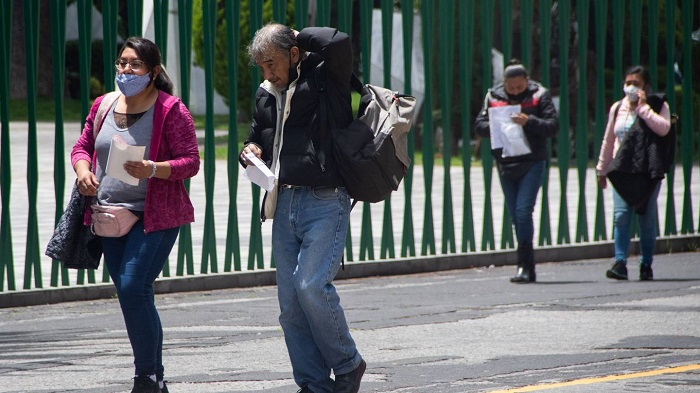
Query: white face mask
[[631, 92]]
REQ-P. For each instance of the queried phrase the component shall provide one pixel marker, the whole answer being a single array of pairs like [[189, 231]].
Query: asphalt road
[[455, 331]]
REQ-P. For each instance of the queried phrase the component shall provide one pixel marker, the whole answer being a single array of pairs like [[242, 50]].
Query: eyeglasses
[[135, 65]]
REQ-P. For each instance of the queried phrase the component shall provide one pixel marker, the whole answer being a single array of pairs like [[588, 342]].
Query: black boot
[[526, 265]]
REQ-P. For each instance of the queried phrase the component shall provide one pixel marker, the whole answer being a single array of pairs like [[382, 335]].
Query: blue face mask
[[130, 84]]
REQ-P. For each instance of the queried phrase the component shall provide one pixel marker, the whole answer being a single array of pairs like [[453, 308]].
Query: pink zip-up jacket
[[660, 123], [174, 140]]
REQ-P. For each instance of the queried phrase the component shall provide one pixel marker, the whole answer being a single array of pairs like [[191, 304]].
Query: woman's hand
[[642, 97], [250, 148], [519, 118], [87, 183], [602, 182], [139, 169]]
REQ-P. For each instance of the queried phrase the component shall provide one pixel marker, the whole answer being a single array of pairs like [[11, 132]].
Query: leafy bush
[[221, 64]]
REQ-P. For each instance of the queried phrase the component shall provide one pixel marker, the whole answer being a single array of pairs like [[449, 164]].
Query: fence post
[[279, 10], [366, 242], [109, 42], [428, 243], [387, 245], [233, 245], [301, 13], [184, 13], [209, 238], [6, 257], [160, 22], [687, 113], [323, 12], [635, 17], [58, 52], [545, 22], [345, 25], [466, 51], [447, 11], [85, 59], [563, 137], [507, 44], [671, 226], [601, 12], [487, 236], [526, 12], [582, 124], [256, 246], [31, 43], [408, 243], [135, 15]]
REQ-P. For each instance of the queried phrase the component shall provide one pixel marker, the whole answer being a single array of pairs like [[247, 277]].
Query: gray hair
[[271, 37]]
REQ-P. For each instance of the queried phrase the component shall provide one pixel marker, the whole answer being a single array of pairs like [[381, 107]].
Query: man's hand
[[250, 148]]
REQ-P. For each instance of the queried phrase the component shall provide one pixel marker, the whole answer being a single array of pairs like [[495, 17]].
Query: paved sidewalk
[[450, 332]]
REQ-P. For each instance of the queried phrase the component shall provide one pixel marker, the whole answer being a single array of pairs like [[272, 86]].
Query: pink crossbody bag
[[109, 221]]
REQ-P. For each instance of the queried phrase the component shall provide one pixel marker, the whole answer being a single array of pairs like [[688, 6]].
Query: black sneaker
[[144, 384], [645, 273], [618, 271], [350, 382], [305, 389]]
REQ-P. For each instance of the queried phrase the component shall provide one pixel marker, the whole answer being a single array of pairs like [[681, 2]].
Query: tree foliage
[[221, 64]]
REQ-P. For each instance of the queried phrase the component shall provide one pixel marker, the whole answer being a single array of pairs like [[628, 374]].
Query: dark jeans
[[521, 196], [134, 262]]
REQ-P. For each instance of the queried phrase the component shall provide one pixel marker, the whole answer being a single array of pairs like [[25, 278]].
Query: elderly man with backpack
[[310, 205]]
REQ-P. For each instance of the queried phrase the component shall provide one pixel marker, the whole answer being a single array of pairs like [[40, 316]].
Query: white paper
[[259, 173], [498, 117], [514, 141], [119, 153]]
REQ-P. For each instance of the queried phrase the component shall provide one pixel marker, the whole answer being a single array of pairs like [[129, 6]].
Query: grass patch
[[45, 110]]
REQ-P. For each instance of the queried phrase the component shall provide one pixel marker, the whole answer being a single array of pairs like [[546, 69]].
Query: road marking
[[589, 381]]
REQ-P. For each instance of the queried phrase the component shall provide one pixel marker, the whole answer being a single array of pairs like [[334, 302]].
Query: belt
[[293, 187]]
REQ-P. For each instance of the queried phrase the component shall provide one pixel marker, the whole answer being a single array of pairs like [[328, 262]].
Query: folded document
[[259, 173]]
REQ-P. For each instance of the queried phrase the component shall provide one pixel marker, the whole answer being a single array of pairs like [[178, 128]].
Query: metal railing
[[455, 36]]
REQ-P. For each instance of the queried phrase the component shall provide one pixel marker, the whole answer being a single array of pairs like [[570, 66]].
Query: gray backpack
[[371, 153]]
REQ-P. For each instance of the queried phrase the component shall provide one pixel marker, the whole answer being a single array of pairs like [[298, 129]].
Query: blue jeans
[[134, 262], [308, 236], [647, 227], [521, 196]]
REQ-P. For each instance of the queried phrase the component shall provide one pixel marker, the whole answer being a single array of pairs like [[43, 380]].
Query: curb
[[389, 267]]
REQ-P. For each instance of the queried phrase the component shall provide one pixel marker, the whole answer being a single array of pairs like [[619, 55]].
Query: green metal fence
[[566, 37]]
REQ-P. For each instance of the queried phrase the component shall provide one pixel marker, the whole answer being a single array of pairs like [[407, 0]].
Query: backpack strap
[[106, 104]]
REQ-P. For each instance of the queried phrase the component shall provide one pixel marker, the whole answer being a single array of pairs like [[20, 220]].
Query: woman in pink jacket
[[144, 114], [633, 114]]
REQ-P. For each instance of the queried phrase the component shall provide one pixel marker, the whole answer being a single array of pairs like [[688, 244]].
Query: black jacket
[[642, 159], [301, 141], [542, 124]]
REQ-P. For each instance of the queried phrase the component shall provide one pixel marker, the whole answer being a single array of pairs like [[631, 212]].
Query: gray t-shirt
[[112, 191]]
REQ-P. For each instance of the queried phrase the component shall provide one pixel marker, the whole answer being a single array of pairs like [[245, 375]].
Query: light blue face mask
[[631, 92], [130, 84]]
